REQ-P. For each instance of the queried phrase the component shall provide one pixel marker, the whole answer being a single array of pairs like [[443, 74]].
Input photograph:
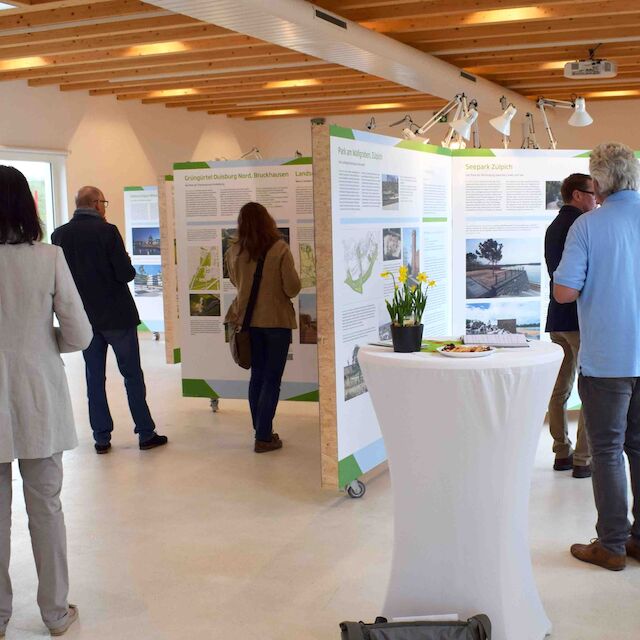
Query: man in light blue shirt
[[600, 268]]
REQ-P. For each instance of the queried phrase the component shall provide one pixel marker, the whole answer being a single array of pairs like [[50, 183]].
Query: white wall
[[114, 144]]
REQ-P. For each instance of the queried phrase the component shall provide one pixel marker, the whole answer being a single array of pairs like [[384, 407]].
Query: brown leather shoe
[[581, 471], [264, 447], [563, 464], [633, 548], [595, 553]]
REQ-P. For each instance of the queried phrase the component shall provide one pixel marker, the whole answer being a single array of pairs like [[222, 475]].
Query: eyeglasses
[[591, 193], [106, 202]]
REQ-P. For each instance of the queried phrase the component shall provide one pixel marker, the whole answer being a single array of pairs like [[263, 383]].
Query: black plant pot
[[407, 339]]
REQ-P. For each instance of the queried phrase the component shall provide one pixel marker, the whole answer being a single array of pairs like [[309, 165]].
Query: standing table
[[461, 437]]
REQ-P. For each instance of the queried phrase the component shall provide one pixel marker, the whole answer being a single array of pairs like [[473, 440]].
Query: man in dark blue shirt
[[101, 269], [578, 196]]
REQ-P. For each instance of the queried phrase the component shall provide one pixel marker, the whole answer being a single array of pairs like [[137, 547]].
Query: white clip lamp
[[455, 104], [579, 118], [462, 126], [502, 123]]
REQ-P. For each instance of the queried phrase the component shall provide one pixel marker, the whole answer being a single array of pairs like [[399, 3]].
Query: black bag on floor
[[475, 628]]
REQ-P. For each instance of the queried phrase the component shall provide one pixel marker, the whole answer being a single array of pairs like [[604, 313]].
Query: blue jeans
[[612, 418], [269, 349], [124, 343]]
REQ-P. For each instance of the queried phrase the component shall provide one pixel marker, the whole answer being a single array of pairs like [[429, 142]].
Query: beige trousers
[[558, 425], [42, 482]]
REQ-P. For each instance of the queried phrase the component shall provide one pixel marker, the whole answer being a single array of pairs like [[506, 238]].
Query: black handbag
[[475, 628], [239, 335]]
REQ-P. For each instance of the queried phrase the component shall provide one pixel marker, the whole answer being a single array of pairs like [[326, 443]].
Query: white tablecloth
[[461, 438]]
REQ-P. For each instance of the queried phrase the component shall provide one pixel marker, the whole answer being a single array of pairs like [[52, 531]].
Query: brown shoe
[[70, 618], [263, 447], [595, 553], [633, 548]]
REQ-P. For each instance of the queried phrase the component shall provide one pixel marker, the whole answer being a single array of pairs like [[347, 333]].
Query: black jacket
[[561, 317], [101, 269]]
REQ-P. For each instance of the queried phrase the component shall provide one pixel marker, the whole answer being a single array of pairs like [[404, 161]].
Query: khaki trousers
[[42, 482], [558, 424]]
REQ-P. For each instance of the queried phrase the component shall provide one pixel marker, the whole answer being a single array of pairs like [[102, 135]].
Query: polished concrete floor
[[204, 539]]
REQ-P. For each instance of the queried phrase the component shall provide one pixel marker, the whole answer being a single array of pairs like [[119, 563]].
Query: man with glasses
[[101, 269], [578, 196]]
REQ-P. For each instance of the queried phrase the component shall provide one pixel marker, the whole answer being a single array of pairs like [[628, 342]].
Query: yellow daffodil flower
[[385, 274], [422, 277], [432, 283]]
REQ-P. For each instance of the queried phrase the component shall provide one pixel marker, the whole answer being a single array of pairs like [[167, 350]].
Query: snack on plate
[[465, 348]]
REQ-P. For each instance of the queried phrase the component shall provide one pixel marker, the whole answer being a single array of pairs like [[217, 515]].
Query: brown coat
[[280, 282]]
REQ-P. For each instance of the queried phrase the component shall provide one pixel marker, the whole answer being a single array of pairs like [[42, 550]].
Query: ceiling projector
[[590, 69]]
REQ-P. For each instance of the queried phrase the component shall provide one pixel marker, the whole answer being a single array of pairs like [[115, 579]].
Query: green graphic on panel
[[205, 277], [348, 471], [360, 255], [197, 389]]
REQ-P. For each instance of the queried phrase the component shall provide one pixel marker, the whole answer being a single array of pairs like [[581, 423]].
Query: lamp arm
[[448, 108], [547, 126], [449, 137]]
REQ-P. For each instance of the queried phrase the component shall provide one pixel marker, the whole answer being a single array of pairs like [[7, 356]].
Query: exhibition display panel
[[461, 436], [473, 220], [142, 224], [207, 200]]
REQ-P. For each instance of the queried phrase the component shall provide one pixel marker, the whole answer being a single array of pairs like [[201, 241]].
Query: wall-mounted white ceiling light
[[502, 123], [579, 118], [371, 124]]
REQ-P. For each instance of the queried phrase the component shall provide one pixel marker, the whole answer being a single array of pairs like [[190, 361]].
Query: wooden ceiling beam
[[359, 11], [332, 110], [242, 83], [404, 102], [174, 80], [238, 46], [132, 25], [224, 38], [560, 29], [263, 55], [280, 98], [406, 19], [41, 16], [258, 91], [482, 45]]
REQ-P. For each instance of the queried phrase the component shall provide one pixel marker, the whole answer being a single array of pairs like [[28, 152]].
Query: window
[[45, 172]]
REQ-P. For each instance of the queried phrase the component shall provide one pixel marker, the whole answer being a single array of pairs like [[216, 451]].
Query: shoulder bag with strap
[[240, 338]]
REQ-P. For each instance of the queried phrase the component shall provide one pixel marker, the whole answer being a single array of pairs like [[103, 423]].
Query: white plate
[[465, 354]]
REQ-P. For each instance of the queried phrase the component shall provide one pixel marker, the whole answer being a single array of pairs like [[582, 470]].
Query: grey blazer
[[36, 419]]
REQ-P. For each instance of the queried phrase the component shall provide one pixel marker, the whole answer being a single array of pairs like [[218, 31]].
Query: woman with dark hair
[[36, 421], [258, 240]]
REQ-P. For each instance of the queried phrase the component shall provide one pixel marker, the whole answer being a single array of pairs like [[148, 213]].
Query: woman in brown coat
[[273, 316]]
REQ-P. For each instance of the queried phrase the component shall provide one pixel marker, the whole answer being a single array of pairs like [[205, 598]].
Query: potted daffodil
[[406, 308]]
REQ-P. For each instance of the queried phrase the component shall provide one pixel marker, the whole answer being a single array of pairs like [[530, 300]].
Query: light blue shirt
[[601, 259]]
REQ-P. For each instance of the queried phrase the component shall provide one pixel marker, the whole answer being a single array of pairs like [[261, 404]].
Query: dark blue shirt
[[560, 317]]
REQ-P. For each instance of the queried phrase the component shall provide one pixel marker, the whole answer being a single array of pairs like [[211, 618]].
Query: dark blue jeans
[[612, 417], [269, 348], [124, 343]]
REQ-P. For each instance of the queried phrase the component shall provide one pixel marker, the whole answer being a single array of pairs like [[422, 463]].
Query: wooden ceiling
[[137, 51]]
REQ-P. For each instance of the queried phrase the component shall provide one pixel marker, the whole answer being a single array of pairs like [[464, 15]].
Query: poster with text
[[208, 197], [391, 205], [503, 202], [143, 244]]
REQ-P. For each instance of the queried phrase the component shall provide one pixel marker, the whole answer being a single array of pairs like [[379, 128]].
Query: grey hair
[[614, 167], [87, 196]]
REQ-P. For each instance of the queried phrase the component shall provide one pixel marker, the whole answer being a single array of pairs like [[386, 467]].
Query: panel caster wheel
[[214, 405], [356, 489]]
